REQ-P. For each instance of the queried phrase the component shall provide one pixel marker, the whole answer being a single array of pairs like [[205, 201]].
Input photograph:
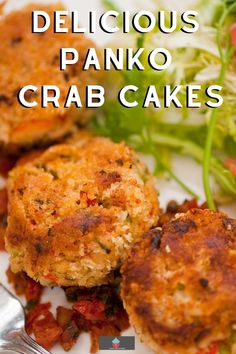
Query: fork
[[13, 337]]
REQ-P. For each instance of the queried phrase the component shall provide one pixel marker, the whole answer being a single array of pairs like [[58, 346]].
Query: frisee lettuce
[[205, 60], [226, 55]]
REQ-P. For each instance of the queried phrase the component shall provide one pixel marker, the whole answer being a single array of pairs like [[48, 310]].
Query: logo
[[117, 343]]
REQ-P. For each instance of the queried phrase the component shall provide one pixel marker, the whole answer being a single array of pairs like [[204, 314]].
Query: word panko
[[75, 211]]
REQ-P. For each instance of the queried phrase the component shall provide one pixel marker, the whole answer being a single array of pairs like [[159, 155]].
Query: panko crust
[[186, 273], [74, 212], [32, 58]]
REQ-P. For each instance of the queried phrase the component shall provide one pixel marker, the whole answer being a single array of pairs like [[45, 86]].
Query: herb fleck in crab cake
[[186, 275], [75, 211], [32, 58]]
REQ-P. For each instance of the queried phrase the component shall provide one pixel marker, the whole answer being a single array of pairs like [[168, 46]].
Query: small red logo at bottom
[[116, 343]]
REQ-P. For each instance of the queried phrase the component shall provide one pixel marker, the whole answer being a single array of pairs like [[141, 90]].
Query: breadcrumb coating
[[28, 58], [186, 273], [75, 211]]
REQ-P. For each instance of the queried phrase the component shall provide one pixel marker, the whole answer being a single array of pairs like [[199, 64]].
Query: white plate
[[185, 168]]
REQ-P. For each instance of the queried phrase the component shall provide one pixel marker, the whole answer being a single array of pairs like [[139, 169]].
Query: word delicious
[[142, 22]]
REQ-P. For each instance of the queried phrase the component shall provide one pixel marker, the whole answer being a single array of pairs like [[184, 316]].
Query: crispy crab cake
[[31, 58], [74, 212], [186, 275]]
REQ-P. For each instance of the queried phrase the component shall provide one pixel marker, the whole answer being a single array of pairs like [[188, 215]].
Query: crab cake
[[75, 211], [34, 58], [186, 275]]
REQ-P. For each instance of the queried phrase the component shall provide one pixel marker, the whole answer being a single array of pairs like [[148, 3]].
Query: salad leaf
[[206, 60]]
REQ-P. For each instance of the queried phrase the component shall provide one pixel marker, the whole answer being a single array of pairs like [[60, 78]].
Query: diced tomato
[[64, 316], [33, 290], [46, 330], [26, 286], [98, 310], [35, 313], [69, 336], [92, 310], [212, 349], [231, 164], [3, 201], [233, 35], [81, 322]]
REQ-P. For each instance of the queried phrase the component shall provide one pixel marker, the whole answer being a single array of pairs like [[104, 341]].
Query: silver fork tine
[[25, 345], [32, 344], [13, 337]]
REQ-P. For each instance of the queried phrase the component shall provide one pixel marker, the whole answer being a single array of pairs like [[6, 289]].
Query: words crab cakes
[[186, 273], [75, 211], [28, 58]]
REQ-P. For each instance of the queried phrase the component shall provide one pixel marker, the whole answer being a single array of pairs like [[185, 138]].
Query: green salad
[[205, 134]]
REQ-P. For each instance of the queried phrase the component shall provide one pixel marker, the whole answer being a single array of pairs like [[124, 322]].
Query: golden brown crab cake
[[179, 283], [75, 211], [31, 58]]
